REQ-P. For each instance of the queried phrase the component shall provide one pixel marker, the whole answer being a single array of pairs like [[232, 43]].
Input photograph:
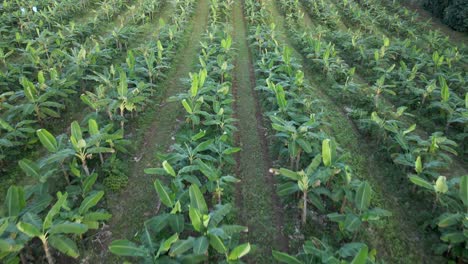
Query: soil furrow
[[259, 205]]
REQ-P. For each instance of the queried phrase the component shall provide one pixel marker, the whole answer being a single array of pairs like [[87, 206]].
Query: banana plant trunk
[[304, 208], [49, 257]]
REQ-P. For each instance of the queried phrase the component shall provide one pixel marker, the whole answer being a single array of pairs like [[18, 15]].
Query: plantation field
[[209, 131]]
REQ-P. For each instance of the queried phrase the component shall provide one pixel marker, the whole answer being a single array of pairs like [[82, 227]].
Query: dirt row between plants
[[258, 204], [154, 135]]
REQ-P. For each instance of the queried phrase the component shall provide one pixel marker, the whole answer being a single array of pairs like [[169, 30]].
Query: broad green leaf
[[363, 196], [47, 140], [90, 201], [64, 245], [62, 199], [217, 243], [89, 182], [352, 223], [449, 220], [290, 174], [200, 245], [30, 168], [93, 127], [187, 107], [181, 246], [76, 131], [441, 185], [15, 200], [285, 258], [453, 237], [163, 195], [166, 245], [28, 229], [418, 165], [168, 168], [7, 246], [68, 228], [127, 248], [464, 190], [195, 218], [328, 152], [361, 257], [421, 182], [122, 88], [195, 86], [197, 200], [239, 251]]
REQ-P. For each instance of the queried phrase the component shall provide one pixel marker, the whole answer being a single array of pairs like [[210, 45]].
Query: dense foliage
[[454, 13]]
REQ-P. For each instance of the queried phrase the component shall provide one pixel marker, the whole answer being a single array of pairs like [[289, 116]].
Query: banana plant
[[85, 148], [165, 245], [298, 137], [127, 99], [359, 212], [317, 251], [193, 101], [305, 182], [38, 102], [452, 196], [53, 232]]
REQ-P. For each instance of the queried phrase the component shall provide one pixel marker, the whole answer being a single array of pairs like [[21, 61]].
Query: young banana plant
[[85, 148], [53, 232], [359, 212], [302, 181], [317, 251]]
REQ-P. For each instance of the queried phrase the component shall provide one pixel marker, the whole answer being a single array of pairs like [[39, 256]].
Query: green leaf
[[76, 131], [127, 248], [181, 246], [28, 229], [285, 258], [352, 223], [449, 220], [64, 245], [68, 228], [217, 243], [290, 174], [421, 182], [47, 140], [122, 89], [62, 199], [363, 196], [90, 201], [200, 245], [93, 127], [194, 87], [168, 168], [187, 107], [195, 218], [239, 251], [166, 245], [441, 185], [89, 182], [30, 168], [418, 165], [163, 195], [197, 200], [361, 257], [328, 152], [464, 190], [15, 200]]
